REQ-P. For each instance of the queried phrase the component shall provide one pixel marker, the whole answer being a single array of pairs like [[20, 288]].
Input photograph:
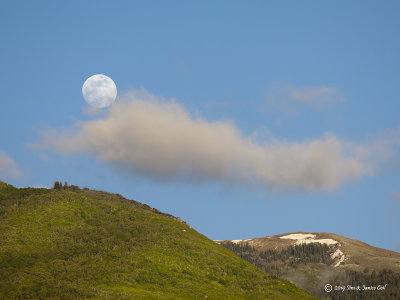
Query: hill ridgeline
[[71, 243]]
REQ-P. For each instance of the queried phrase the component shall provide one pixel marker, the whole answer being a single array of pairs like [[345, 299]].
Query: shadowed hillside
[[72, 243]]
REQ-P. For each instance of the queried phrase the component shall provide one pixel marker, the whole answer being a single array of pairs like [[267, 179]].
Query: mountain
[[312, 259], [72, 243]]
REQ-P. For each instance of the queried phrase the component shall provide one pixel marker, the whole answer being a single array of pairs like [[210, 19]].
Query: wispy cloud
[[318, 96], [8, 167], [40, 186], [289, 98], [386, 147], [395, 196], [159, 139]]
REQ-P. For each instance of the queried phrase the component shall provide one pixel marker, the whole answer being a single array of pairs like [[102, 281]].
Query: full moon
[[99, 91]]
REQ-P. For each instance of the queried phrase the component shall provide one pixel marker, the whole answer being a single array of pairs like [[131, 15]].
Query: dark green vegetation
[[279, 262], [373, 285], [310, 266], [77, 243]]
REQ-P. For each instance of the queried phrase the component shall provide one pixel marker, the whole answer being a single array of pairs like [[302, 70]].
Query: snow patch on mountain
[[239, 241], [308, 238], [298, 236], [233, 241], [321, 241], [338, 254]]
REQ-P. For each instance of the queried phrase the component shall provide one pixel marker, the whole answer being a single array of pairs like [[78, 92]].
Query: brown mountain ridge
[[355, 255], [313, 259]]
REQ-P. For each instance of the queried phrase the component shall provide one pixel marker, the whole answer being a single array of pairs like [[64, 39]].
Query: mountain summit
[[345, 252], [313, 259]]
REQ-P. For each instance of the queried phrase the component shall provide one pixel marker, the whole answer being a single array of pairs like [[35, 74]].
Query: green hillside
[[78, 243]]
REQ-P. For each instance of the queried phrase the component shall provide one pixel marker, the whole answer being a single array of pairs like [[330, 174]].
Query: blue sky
[[281, 75]]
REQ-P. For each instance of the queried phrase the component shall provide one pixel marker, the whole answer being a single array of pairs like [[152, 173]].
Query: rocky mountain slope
[[71, 243], [312, 260]]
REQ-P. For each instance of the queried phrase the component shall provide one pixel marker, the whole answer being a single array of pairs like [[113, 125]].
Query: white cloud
[[8, 167], [158, 139]]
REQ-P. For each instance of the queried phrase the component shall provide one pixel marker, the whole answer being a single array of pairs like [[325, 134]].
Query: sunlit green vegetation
[[76, 243]]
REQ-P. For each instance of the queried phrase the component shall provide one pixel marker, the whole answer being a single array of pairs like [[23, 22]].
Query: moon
[[99, 91]]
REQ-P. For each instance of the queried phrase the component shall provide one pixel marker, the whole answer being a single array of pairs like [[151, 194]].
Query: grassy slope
[[88, 244], [362, 255]]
